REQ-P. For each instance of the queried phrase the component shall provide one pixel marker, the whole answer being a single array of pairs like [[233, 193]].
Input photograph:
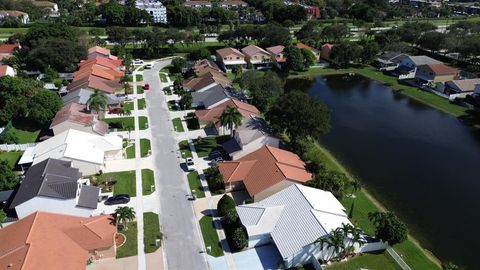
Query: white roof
[[78, 145], [306, 214]]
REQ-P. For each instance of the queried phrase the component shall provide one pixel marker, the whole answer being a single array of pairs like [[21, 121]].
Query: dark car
[[118, 199], [146, 86]]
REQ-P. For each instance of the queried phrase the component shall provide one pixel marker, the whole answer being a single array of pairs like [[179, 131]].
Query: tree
[[237, 70], [200, 53], [388, 227], [123, 215], [186, 100], [231, 218], [57, 53], [113, 13], [14, 96], [8, 178], [178, 64], [225, 204], [9, 136], [433, 41], [356, 186], [370, 50], [3, 216], [215, 178], [329, 180], [295, 59], [125, 80], [118, 34], [54, 30], [231, 118], [44, 105], [98, 101], [238, 239], [285, 112], [274, 34], [308, 58], [345, 53]]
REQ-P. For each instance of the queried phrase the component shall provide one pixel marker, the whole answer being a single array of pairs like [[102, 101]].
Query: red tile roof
[[301, 45], [76, 113], [52, 241], [213, 115], [101, 61], [442, 69], [94, 82], [264, 168], [9, 48], [3, 70], [227, 51], [100, 50]]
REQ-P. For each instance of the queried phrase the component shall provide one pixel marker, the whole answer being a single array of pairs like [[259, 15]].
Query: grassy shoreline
[[410, 247]]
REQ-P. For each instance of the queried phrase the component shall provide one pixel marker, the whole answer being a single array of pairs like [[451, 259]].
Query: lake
[[419, 162]]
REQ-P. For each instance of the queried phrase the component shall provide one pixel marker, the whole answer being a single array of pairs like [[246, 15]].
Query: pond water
[[419, 162]]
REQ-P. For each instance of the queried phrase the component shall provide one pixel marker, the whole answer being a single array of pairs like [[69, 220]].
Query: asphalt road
[[182, 244]]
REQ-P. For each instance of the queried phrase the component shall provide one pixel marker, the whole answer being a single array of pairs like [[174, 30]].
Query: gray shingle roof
[[209, 97], [88, 197], [82, 95], [50, 178]]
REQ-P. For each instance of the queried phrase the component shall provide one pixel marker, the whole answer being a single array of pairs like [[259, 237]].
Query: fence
[[398, 259], [16, 147]]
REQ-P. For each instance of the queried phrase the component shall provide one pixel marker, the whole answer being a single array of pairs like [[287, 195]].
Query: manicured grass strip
[[144, 147], [205, 145], [167, 69], [210, 236], [195, 184], [124, 182], [163, 77], [431, 99], [380, 261], [177, 124], [129, 248], [124, 123], [131, 151], [139, 77], [11, 157], [141, 104], [151, 232], [143, 122], [129, 105], [184, 149], [148, 180]]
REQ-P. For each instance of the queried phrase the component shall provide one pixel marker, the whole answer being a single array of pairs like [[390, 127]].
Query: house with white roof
[[293, 219], [87, 152]]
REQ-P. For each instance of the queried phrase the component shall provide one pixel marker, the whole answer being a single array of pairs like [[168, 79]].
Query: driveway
[[265, 257], [182, 243]]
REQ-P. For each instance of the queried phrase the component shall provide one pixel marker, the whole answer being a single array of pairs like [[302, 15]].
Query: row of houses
[[50, 7], [226, 4], [285, 212]]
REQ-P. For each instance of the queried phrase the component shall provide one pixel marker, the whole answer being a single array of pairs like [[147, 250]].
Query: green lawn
[[381, 261], [205, 145], [163, 78], [124, 123], [433, 100], [131, 151], [177, 124], [362, 205], [129, 105], [195, 184], [184, 149], [144, 147], [130, 247], [124, 182], [210, 236], [25, 130], [172, 106], [12, 157], [151, 232], [148, 180], [167, 69], [139, 77]]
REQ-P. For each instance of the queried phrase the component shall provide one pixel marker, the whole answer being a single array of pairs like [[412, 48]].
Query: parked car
[[190, 164], [118, 199], [138, 62], [146, 86], [148, 66]]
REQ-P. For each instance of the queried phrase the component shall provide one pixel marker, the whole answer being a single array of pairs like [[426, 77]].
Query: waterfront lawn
[[151, 232], [148, 179], [163, 77], [414, 256], [379, 261], [422, 96], [184, 149], [205, 145], [129, 248], [210, 236], [11, 157], [124, 182], [144, 147], [139, 77], [177, 124], [195, 184]]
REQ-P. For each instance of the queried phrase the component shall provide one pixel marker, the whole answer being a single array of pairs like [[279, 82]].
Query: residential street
[[182, 243]]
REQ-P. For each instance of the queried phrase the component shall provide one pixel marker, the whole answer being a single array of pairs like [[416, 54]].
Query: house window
[[238, 58]]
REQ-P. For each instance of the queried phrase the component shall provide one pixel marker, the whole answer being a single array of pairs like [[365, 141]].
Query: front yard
[[120, 182], [148, 180], [210, 236], [139, 77], [126, 123], [195, 184], [151, 232], [144, 149], [184, 149], [128, 106], [129, 248], [205, 145], [177, 124]]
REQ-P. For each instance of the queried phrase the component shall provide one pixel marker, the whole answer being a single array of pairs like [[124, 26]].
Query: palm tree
[[126, 79], [3, 216], [356, 186], [347, 230], [123, 215], [356, 237], [98, 101], [231, 118], [336, 241]]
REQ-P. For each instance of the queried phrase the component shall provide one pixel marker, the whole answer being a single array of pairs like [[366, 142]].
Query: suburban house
[[105, 53], [211, 117], [386, 61], [204, 66], [253, 134], [407, 65], [198, 4], [54, 186], [264, 172], [207, 81], [436, 73], [210, 98], [22, 16], [326, 51], [6, 70], [88, 152], [228, 4], [95, 82], [7, 50], [315, 52], [82, 95], [51, 241], [277, 55], [229, 57], [51, 7], [257, 56], [75, 116], [293, 219], [461, 87]]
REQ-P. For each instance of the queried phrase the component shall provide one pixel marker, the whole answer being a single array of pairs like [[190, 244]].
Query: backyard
[[380, 261], [195, 184], [210, 236], [177, 124], [151, 232], [148, 180], [126, 123], [12, 157], [121, 182], [129, 248], [205, 145]]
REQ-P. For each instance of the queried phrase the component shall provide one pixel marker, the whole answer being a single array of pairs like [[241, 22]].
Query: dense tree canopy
[[44, 105], [8, 178], [388, 227], [333, 181], [264, 87]]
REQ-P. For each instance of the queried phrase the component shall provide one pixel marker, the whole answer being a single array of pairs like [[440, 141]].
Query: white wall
[[67, 207], [255, 145], [259, 240], [86, 168], [66, 125]]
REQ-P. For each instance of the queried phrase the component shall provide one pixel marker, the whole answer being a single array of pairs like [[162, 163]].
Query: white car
[[148, 66], [190, 164], [138, 62]]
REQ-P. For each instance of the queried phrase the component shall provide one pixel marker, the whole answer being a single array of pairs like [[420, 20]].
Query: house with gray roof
[[253, 134], [53, 185], [82, 95], [386, 61], [408, 65], [293, 219], [210, 97]]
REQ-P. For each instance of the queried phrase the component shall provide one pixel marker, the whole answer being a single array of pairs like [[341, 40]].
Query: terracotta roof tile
[[100, 50], [301, 45], [252, 50], [9, 48], [442, 69], [76, 113], [213, 114], [227, 51]]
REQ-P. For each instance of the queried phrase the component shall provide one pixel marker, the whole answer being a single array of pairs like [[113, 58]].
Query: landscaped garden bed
[[118, 182]]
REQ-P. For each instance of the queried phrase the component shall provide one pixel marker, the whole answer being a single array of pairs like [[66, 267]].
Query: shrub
[[225, 205], [388, 227], [116, 124], [9, 137], [215, 179], [237, 239], [231, 219]]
